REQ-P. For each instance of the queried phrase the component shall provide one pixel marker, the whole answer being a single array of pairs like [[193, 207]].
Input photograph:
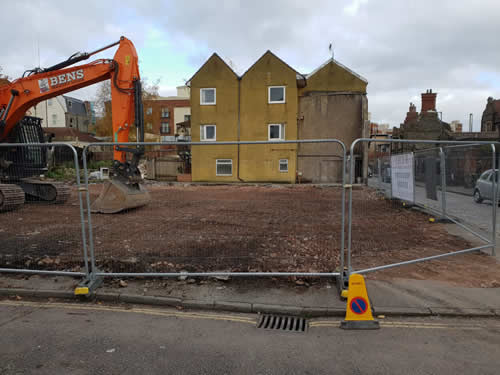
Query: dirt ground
[[241, 228]]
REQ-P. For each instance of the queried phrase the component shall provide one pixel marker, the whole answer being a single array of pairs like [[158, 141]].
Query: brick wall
[[154, 114]]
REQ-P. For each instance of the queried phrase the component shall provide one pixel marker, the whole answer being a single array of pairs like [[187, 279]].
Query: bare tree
[[104, 125], [4, 79]]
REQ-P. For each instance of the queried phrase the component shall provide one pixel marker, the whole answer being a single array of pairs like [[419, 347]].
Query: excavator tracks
[[63, 193], [11, 197], [45, 191]]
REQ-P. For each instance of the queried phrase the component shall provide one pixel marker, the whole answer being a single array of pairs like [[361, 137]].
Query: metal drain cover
[[282, 323]]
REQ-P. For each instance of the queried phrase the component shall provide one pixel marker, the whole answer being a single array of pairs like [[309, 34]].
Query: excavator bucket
[[117, 196]]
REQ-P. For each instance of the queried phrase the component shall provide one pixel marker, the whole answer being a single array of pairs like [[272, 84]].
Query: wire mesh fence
[[246, 209], [41, 209], [398, 216], [468, 184]]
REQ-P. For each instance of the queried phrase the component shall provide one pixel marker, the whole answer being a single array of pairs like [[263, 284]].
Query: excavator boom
[[126, 104]]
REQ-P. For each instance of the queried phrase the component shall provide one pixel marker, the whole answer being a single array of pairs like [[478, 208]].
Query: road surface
[[474, 215], [63, 338]]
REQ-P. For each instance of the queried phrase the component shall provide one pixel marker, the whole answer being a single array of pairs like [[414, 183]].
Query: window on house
[[187, 117], [149, 126], [71, 122], [54, 119], [207, 96], [283, 165], [165, 112], [276, 94], [276, 132], [165, 127], [224, 167], [70, 104], [207, 133], [149, 111], [49, 102]]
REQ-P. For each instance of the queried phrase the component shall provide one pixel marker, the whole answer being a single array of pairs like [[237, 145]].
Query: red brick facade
[[161, 111], [428, 101]]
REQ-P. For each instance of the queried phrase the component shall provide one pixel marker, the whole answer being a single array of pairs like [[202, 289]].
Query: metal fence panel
[[46, 233], [385, 232], [252, 217]]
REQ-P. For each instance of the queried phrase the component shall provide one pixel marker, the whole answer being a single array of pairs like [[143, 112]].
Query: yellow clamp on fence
[[81, 291]]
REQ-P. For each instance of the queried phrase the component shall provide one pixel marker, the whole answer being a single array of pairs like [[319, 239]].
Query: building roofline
[[332, 60], [188, 82], [270, 52]]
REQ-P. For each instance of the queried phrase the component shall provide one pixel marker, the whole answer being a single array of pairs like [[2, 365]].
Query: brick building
[[424, 125], [490, 121], [162, 115]]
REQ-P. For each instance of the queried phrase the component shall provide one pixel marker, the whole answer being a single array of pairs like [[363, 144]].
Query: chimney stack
[[428, 101]]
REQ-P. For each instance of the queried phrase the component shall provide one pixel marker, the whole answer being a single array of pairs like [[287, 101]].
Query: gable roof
[[297, 74], [77, 106], [205, 63], [332, 60]]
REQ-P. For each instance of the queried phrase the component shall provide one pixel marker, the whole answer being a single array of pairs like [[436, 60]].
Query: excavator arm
[[126, 104]]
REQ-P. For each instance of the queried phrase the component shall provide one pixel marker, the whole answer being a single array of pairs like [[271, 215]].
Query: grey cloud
[[401, 47]]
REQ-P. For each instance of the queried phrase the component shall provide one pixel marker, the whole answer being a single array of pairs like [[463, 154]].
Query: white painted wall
[[52, 112], [183, 91]]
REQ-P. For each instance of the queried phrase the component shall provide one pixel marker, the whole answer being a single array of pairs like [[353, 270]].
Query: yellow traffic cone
[[358, 312]]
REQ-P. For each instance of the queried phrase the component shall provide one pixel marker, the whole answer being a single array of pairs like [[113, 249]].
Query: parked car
[[484, 186]]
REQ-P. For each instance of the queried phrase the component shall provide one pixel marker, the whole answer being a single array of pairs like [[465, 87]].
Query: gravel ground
[[239, 228]]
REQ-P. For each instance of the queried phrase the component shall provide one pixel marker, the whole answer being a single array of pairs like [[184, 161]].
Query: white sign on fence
[[402, 176]]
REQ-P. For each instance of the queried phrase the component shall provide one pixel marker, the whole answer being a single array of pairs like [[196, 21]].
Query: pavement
[[397, 297], [90, 338]]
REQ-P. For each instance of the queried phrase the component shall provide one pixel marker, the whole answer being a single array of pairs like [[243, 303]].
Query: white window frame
[[269, 95], [168, 127], [149, 111], [284, 161], [282, 132], [201, 96], [224, 161], [203, 133]]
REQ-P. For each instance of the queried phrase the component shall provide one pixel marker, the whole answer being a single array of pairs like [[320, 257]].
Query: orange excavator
[[20, 167]]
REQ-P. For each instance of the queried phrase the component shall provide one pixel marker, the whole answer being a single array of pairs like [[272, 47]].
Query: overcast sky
[[401, 47]]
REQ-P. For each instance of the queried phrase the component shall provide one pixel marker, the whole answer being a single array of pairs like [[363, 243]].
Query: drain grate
[[282, 323]]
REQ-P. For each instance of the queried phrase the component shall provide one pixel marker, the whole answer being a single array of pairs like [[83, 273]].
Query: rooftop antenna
[[330, 48]]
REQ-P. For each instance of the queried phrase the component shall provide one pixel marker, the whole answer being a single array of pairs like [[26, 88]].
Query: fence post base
[[88, 285], [343, 283]]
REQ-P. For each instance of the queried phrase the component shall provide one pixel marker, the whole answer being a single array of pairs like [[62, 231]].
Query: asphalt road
[[58, 338], [460, 206]]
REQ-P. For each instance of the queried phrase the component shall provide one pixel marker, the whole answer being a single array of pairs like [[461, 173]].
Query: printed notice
[[402, 176]]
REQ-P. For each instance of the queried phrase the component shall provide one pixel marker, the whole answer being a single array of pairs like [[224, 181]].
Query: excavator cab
[[20, 167]]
